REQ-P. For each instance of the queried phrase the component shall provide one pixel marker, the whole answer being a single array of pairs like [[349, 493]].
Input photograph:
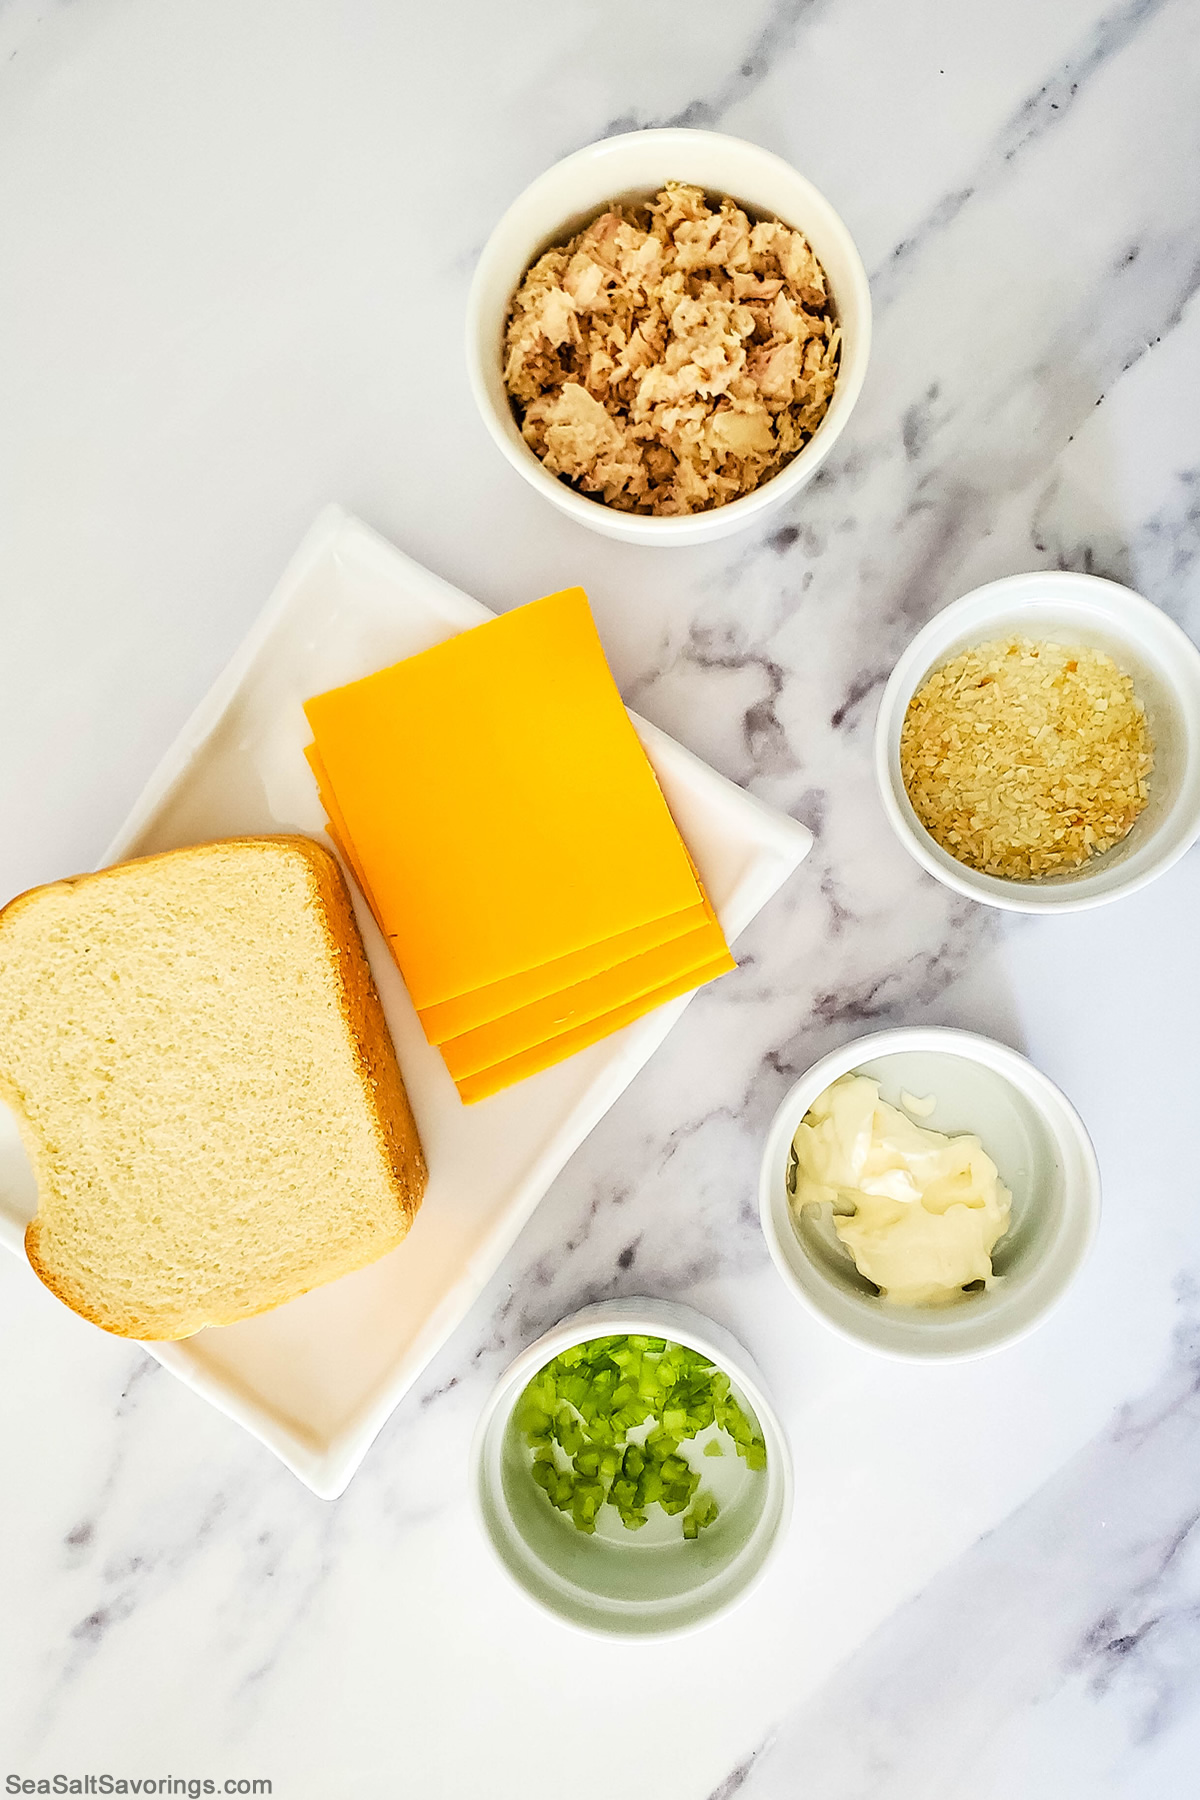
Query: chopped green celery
[[569, 1433], [587, 1400], [737, 1424], [702, 1514], [586, 1502], [713, 1447], [649, 1385], [651, 1486]]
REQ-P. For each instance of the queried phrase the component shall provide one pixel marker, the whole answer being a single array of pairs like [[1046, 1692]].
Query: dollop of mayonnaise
[[927, 1209]]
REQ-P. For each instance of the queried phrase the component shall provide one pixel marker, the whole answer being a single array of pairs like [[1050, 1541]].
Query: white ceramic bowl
[[638, 1584], [560, 202], [1069, 609], [1045, 1159]]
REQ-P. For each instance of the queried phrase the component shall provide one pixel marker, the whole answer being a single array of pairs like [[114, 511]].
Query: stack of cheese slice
[[509, 835]]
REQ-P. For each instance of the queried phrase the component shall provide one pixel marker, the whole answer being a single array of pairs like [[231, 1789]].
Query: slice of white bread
[[197, 1054]]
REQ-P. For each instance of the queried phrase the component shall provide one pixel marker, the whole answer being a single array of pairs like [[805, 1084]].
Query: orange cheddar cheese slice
[[560, 1013], [336, 830], [499, 802], [482, 1086], [471, 1011], [486, 1005]]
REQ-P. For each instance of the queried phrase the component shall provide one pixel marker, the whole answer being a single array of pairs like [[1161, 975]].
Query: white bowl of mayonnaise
[[928, 1192]]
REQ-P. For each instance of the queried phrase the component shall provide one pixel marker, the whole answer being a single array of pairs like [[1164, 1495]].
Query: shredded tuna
[[674, 355]]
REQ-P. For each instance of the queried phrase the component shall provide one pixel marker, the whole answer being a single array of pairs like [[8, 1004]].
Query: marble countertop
[[237, 242]]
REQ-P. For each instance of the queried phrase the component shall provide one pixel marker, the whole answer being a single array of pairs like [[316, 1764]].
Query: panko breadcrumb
[[1025, 759], [674, 355]]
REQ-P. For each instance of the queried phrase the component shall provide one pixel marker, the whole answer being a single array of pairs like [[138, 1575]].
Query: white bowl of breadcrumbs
[[1038, 744], [667, 333]]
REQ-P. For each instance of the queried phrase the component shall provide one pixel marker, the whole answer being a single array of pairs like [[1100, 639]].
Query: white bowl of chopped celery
[[630, 1472]]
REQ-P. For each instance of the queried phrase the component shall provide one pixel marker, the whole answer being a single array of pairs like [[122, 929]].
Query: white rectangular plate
[[316, 1379]]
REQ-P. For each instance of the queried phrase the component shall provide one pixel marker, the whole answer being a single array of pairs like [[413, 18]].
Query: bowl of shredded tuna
[[667, 333]]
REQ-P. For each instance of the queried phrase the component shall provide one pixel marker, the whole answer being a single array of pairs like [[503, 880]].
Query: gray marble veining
[[1072, 1625], [227, 230]]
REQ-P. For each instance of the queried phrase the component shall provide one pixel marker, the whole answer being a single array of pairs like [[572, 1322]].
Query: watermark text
[[190, 1787]]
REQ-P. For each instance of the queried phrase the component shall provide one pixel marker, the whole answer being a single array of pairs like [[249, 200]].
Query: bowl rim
[[690, 527], [1052, 1105], [651, 1317], [1142, 619]]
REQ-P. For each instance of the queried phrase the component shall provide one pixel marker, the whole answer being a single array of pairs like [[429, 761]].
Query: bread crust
[[374, 1057], [375, 1054]]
